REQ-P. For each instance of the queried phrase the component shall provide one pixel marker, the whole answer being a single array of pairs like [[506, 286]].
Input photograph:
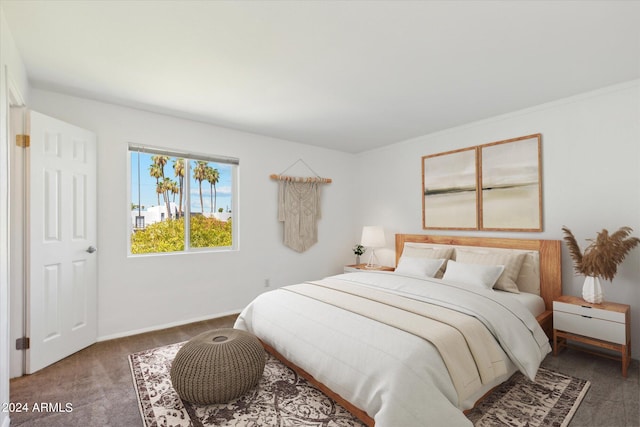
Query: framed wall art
[[450, 190], [494, 187], [511, 185]]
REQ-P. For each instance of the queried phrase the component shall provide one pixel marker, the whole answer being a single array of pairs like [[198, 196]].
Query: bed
[[401, 348]]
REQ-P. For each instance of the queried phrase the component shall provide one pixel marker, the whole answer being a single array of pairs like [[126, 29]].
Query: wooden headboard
[[550, 256]]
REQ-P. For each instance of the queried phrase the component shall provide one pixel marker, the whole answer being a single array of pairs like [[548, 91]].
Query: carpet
[[282, 398], [549, 401]]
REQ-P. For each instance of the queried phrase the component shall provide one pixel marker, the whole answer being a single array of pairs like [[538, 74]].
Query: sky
[[148, 196]]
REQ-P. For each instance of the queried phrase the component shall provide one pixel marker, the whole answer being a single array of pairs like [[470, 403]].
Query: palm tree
[[160, 190], [213, 176], [178, 170], [160, 161], [200, 174], [156, 172], [166, 186], [172, 187]]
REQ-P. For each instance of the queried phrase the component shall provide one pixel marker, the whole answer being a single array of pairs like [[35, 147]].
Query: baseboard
[[166, 325]]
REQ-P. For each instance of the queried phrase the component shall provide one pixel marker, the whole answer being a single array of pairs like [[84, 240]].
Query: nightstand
[[363, 267], [605, 325]]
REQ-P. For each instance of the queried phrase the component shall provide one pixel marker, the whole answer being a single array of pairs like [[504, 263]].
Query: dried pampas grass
[[603, 255]]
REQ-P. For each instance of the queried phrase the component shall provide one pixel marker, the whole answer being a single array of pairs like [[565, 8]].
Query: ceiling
[[346, 75]]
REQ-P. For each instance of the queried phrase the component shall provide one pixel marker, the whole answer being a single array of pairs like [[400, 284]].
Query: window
[[172, 192]]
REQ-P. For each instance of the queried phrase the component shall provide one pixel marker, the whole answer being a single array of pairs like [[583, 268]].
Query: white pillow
[[483, 276], [426, 267], [512, 263], [423, 251], [427, 252]]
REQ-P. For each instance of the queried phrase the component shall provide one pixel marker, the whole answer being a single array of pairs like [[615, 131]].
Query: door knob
[[91, 249]]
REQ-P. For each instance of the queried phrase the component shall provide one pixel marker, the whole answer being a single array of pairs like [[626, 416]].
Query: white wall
[[12, 75], [591, 178], [140, 293]]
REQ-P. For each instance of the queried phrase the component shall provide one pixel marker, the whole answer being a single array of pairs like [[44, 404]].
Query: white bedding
[[534, 303], [396, 377]]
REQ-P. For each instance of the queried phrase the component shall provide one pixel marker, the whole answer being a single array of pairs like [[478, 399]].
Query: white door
[[62, 238]]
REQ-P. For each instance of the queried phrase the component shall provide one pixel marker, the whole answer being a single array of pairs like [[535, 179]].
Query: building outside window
[[172, 192]]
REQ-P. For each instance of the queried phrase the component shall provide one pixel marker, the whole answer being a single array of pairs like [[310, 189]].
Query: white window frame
[[189, 156]]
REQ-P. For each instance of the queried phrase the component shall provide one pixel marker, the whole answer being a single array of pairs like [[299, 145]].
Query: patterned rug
[[282, 398], [549, 401]]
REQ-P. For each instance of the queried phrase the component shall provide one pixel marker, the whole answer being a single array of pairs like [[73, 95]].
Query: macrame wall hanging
[[299, 207]]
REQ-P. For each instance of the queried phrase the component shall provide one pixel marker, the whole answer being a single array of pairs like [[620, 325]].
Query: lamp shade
[[373, 237]]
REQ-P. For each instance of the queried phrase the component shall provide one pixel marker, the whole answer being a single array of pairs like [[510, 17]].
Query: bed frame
[[550, 262], [550, 288], [357, 412]]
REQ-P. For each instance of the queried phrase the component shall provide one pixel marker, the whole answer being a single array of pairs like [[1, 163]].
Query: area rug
[[282, 398], [549, 401]]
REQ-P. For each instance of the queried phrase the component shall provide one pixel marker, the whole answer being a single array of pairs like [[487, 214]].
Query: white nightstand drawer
[[590, 327], [605, 325], [583, 310]]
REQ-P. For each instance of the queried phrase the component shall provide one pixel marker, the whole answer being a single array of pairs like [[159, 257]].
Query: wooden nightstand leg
[[555, 343], [626, 359]]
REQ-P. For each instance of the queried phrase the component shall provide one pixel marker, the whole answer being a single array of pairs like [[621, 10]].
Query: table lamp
[[373, 237]]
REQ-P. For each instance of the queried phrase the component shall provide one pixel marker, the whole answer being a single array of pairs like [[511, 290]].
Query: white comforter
[[396, 377]]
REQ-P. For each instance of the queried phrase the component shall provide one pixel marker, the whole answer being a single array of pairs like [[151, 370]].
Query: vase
[[592, 291], [357, 259]]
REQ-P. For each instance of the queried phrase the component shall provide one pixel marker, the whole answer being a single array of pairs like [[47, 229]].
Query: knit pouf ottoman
[[217, 366]]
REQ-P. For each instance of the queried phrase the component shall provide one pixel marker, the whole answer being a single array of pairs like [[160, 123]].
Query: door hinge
[[23, 343], [23, 141]]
